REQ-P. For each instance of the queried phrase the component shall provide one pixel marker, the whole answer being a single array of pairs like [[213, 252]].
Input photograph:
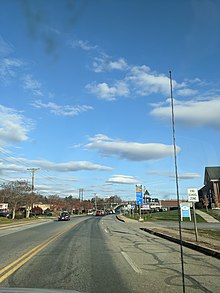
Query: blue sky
[[85, 97]]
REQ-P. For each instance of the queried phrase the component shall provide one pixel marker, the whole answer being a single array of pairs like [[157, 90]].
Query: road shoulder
[[204, 245]]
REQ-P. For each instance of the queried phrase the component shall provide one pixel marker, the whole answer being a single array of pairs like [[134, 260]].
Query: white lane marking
[[131, 263]]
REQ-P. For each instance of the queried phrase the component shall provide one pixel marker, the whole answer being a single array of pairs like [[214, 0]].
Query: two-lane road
[[101, 254]]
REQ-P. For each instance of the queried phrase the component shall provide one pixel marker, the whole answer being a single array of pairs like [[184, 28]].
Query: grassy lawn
[[212, 213], [4, 220], [208, 233], [164, 216]]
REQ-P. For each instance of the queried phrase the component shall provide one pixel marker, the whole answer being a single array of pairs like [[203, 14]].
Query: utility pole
[[95, 202], [81, 190], [33, 173]]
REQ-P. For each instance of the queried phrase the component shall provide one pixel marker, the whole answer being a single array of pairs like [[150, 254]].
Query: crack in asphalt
[[159, 266]]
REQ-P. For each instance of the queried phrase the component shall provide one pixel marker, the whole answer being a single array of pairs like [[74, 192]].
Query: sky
[[85, 95]]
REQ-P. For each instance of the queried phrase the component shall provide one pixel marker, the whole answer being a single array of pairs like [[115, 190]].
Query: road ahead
[[100, 254]]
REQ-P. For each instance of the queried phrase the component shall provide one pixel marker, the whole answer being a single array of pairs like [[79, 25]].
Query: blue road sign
[[139, 196]]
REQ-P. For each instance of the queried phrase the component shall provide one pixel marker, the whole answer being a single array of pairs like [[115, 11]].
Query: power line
[[21, 162]]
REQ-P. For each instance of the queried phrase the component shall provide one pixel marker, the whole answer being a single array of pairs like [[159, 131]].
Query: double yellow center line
[[15, 265]]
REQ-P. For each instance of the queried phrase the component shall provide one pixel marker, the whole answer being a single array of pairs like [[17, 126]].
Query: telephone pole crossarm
[[33, 170]]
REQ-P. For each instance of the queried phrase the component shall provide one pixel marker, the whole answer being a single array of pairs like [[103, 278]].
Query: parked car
[[4, 213], [90, 212], [48, 213], [98, 213], [64, 216]]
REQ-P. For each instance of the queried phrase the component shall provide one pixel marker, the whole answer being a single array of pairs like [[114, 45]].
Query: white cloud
[[5, 48], [84, 45], [122, 179], [66, 110], [106, 63], [192, 113], [183, 176], [133, 151], [56, 167], [61, 179], [11, 167], [186, 92], [138, 80], [58, 189], [32, 84], [13, 126], [186, 176], [106, 92], [8, 67], [147, 82]]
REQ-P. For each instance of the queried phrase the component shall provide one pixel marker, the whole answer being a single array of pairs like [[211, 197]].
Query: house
[[171, 204], [211, 190], [42, 206]]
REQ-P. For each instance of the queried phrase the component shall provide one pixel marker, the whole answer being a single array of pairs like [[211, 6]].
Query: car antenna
[[177, 184]]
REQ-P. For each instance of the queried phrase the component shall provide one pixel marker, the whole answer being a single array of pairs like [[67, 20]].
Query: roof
[[170, 203], [146, 192], [211, 173]]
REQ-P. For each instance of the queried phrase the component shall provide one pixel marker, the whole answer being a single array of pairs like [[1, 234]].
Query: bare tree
[[206, 202], [29, 198], [16, 193]]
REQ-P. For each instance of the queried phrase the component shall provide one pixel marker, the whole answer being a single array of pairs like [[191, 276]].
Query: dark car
[[64, 216], [48, 213], [4, 213]]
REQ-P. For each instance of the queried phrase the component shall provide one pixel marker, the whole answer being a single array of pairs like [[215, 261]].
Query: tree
[[206, 202], [56, 202], [115, 199], [29, 198], [16, 193]]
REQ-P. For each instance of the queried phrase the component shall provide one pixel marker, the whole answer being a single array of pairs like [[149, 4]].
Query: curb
[[191, 245], [202, 249]]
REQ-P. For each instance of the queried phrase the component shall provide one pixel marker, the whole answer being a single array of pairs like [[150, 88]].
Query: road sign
[[139, 196], [139, 199], [193, 195], [185, 210], [138, 188]]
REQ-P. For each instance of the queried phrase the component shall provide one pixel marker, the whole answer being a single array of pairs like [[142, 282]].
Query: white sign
[[145, 207], [4, 206], [193, 195]]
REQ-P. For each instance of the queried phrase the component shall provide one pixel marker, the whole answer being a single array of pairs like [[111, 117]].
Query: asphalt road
[[100, 254]]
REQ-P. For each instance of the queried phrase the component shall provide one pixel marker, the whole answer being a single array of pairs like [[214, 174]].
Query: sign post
[[194, 197], [139, 199]]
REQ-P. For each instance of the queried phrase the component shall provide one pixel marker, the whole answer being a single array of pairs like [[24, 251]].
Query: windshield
[[110, 116]]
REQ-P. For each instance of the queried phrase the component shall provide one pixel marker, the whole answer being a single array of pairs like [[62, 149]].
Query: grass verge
[[164, 216]]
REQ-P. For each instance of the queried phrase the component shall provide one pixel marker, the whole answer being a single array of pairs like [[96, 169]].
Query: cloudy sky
[[85, 94]]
